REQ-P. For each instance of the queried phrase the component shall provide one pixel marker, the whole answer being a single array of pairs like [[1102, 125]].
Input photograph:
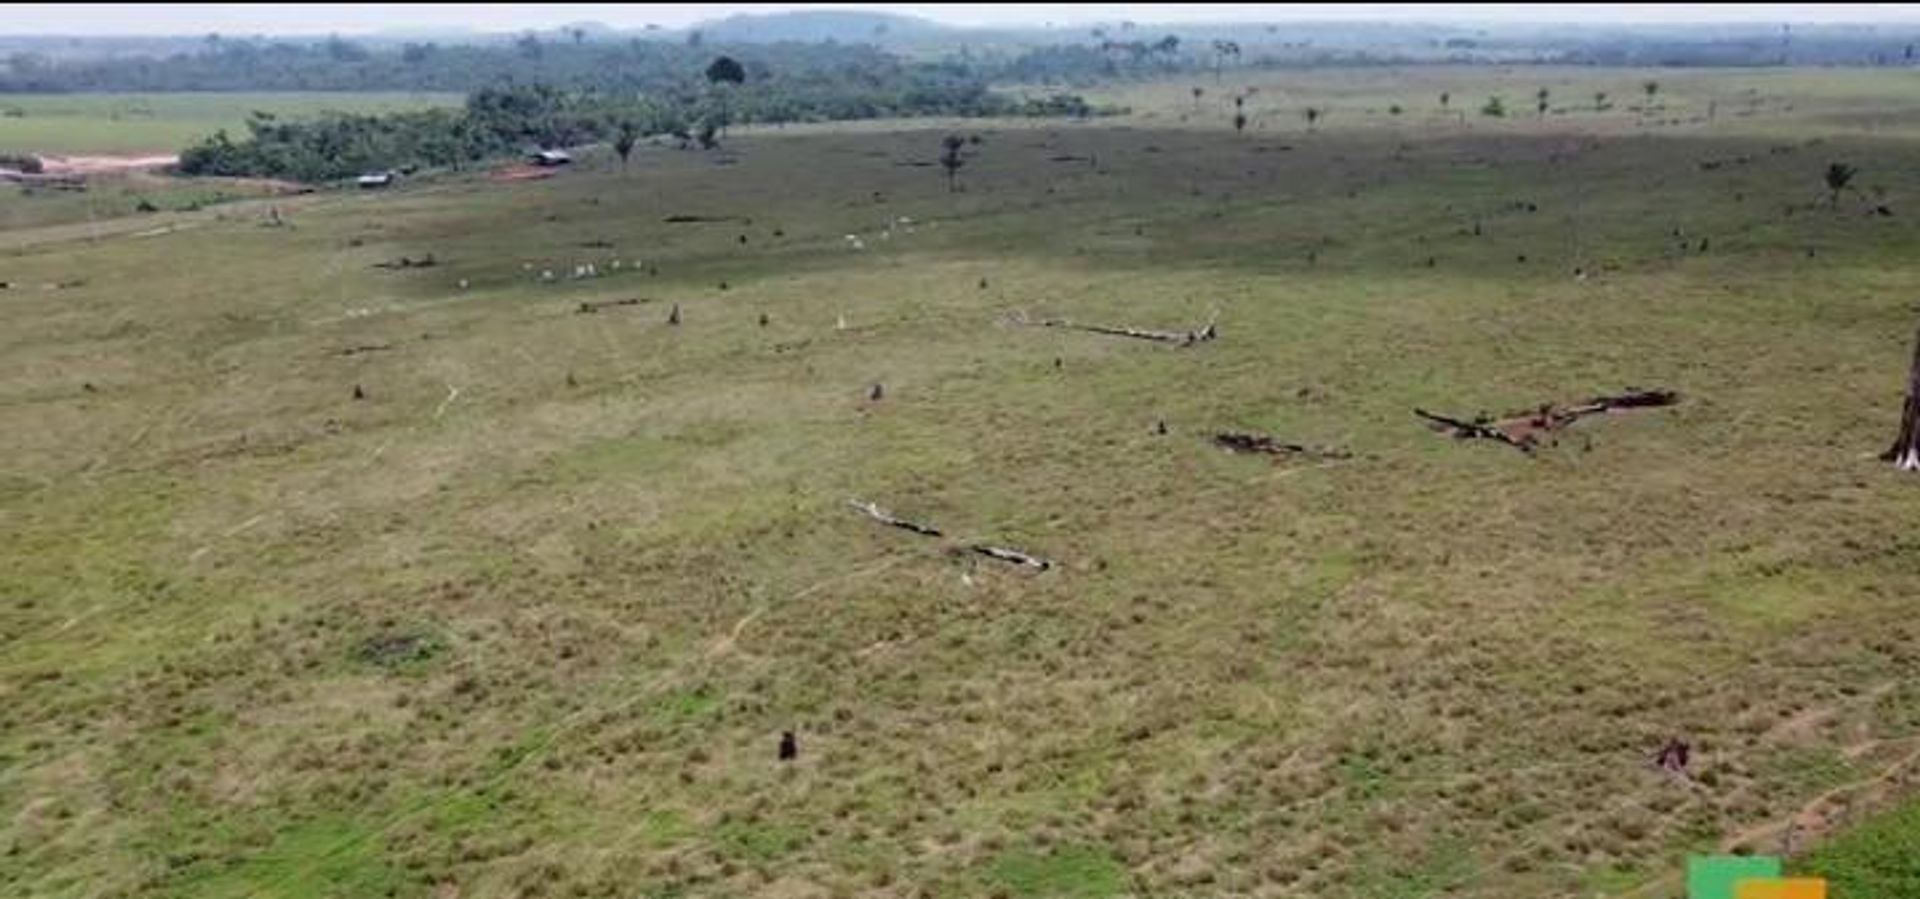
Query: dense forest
[[860, 71], [512, 118]]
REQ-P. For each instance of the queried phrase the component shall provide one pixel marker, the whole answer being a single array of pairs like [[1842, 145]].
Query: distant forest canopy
[[844, 48]]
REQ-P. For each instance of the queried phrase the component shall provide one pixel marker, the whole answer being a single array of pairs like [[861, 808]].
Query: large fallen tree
[[1523, 430], [1014, 556]]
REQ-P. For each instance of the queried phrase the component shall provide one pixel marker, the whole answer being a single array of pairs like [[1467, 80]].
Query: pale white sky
[[352, 18]]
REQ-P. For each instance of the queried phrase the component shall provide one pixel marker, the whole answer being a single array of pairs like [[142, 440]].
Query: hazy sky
[[349, 18]]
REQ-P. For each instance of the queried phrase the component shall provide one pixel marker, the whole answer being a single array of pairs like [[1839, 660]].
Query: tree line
[[512, 118]]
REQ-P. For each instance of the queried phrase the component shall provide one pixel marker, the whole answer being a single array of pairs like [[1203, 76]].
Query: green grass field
[[80, 124], [530, 617]]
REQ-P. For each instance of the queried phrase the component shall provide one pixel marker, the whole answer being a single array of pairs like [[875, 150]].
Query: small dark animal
[[1522, 258], [743, 240], [763, 319], [1057, 363], [88, 387], [570, 380], [1704, 244], [723, 285], [877, 392], [1160, 427], [359, 394], [673, 317], [983, 284], [789, 746]]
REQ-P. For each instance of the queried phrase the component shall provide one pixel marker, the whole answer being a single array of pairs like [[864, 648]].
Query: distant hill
[[843, 26]]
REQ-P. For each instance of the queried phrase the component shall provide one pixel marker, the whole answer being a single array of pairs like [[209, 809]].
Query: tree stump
[[1905, 452]]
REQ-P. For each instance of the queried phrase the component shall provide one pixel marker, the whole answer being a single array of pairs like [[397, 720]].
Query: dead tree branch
[[1261, 443], [1471, 430], [591, 306], [1203, 334], [1014, 556], [874, 512]]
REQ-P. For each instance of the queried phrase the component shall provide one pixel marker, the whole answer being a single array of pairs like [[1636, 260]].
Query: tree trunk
[[1905, 452]]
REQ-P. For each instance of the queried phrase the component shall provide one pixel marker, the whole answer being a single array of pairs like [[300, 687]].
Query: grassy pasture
[[80, 124], [529, 618]]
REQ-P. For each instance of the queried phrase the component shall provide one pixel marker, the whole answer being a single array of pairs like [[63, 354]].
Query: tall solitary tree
[[1838, 176], [1313, 117], [624, 139], [1197, 91], [1599, 101], [1905, 452], [951, 160], [1540, 100], [726, 69]]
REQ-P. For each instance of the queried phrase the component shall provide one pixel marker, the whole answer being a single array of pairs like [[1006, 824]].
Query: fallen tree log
[[874, 512], [591, 306], [364, 348], [1632, 399], [1206, 333], [1010, 555], [1466, 430], [1261, 443], [1523, 430], [426, 261], [1014, 556]]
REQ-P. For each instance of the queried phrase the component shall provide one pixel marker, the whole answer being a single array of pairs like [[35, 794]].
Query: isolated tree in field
[[1313, 117], [1495, 107], [1222, 50], [1599, 101], [1905, 452], [1445, 98], [951, 160], [1240, 122], [1540, 102], [1197, 91], [1651, 88], [726, 69], [1838, 176], [624, 140], [578, 34]]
